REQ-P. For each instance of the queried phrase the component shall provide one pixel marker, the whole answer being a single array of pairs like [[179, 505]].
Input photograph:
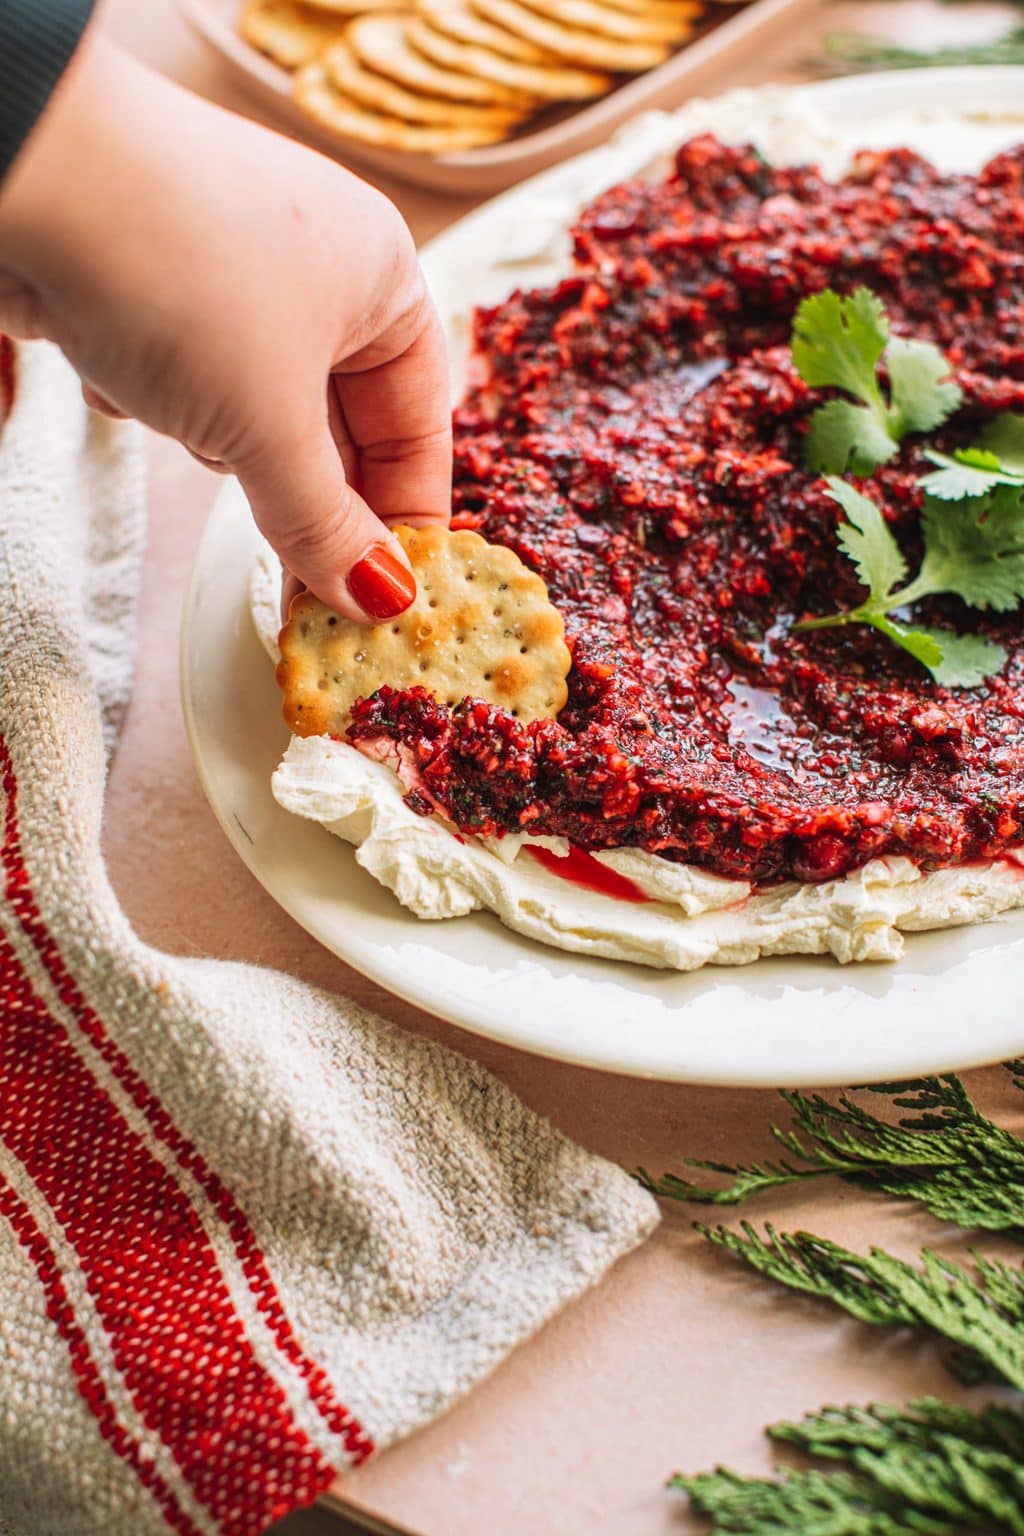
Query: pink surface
[[680, 1357]]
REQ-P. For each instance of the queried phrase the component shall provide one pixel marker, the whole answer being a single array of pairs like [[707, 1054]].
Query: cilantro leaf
[[971, 472], [1005, 438], [997, 460], [844, 436], [975, 549], [923, 394], [866, 539], [838, 343], [964, 661]]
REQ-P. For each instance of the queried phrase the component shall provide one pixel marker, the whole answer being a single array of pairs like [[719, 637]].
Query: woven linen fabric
[[248, 1232]]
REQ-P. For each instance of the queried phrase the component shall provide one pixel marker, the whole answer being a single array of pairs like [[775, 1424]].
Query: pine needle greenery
[[845, 51], [945, 1155], [932, 1467], [981, 1314], [855, 51]]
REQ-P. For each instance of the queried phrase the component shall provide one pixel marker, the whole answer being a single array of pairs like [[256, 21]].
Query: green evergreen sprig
[[931, 1467], [854, 50], [980, 1314], [945, 1155]]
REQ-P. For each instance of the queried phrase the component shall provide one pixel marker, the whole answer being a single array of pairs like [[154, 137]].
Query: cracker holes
[[332, 620]]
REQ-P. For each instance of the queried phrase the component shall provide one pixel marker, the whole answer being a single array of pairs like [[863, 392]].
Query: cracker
[[664, 9], [287, 33], [346, 9], [578, 47], [594, 16], [351, 78], [316, 96], [480, 627], [456, 19], [380, 42], [545, 82]]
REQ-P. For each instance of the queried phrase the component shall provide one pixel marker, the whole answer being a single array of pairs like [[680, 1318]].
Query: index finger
[[397, 417]]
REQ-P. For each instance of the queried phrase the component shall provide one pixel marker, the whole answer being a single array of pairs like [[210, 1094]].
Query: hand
[[249, 298]]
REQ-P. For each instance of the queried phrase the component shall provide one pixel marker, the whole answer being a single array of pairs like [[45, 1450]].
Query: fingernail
[[381, 584]]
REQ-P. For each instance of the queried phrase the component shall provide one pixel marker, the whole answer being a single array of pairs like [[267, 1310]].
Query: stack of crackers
[[437, 76]]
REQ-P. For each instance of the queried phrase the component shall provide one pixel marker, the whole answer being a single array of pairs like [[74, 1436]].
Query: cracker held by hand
[[480, 627]]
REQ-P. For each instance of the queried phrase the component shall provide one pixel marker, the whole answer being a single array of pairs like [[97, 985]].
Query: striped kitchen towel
[[248, 1232]]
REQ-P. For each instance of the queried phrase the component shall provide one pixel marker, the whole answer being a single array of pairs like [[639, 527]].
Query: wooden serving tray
[[726, 34]]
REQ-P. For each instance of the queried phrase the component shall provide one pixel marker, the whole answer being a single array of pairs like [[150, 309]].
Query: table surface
[[678, 1359]]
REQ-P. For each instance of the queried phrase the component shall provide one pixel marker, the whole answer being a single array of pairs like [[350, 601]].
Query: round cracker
[[456, 19], [346, 9], [287, 33], [380, 42], [351, 78], [594, 16], [481, 627], [689, 10], [551, 82], [316, 96], [576, 46]]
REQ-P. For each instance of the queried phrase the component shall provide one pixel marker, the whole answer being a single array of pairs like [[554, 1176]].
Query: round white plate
[[955, 1000]]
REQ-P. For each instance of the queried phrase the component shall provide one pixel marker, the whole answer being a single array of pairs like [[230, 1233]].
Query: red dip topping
[[636, 435]]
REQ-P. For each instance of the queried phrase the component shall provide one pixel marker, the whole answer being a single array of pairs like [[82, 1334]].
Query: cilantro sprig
[[974, 550], [839, 343], [972, 517]]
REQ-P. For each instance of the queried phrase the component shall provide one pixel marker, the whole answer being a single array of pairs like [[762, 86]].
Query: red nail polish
[[381, 584]]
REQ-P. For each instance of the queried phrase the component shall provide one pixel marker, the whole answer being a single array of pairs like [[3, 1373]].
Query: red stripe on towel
[[152, 1275], [254, 1266], [87, 1377]]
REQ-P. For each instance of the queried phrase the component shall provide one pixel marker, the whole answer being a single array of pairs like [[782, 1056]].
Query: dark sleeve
[[37, 38]]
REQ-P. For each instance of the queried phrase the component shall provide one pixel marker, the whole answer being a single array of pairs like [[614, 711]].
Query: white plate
[[954, 1001]]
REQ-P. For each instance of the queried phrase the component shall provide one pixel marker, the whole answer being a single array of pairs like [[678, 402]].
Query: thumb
[[323, 530]]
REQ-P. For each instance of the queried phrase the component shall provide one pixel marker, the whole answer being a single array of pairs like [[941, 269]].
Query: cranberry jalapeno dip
[[635, 434]]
